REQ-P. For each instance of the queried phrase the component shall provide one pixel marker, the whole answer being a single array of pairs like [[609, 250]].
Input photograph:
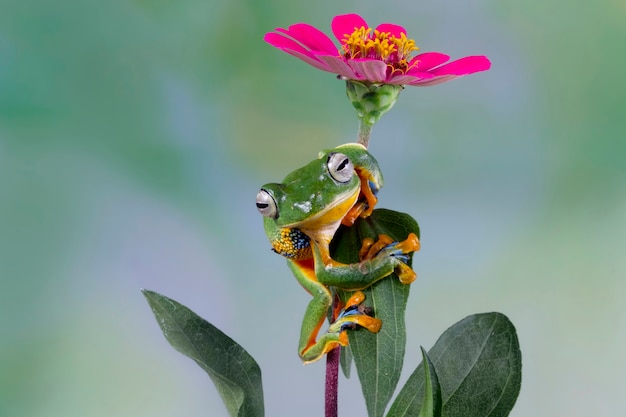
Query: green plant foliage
[[431, 407], [346, 361], [478, 363], [235, 373], [378, 356]]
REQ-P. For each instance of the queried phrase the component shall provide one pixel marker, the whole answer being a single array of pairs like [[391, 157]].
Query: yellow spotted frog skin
[[301, 216]]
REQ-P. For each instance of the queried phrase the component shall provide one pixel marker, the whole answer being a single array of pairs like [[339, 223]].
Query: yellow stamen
[[373, 44]]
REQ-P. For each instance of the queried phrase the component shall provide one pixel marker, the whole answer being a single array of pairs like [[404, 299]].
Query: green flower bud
[[371, 101]]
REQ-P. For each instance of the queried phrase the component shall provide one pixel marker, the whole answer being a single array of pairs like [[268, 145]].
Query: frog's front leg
[[352, 315], [367, 197], [370, 249], [378, 260]]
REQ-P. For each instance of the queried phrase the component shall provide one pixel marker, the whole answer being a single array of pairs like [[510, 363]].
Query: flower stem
[[365, 129], [332, 381]]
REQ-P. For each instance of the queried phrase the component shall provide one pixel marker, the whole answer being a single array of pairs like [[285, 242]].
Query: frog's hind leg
[[309, 348], [356, 314], [352, 315]]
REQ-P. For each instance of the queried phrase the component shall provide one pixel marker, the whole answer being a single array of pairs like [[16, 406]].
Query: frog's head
[[314, 198]]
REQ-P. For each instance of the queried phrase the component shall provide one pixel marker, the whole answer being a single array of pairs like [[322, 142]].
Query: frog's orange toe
[[370, 323], [410, 244], [355, 299], [405, 274], [374, 247]]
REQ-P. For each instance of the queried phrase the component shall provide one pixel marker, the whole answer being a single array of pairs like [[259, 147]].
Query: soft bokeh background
[[134, 136]]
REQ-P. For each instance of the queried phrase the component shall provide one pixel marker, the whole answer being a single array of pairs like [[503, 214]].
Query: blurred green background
[[134, 136]]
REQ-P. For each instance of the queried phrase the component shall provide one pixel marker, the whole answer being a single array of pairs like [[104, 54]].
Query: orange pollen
[[368, 43]]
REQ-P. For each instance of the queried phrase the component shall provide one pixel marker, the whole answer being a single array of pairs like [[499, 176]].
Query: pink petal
[[369, 69], [295, 49], [395, 30], [311, 61], [311, 37], [427, 60], [434, 81], [345, 24], [401, 80], [281, 42], [404, 79], [338, 66], [464, 66]]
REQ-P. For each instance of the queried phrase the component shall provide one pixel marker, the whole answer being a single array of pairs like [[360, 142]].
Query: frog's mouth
[[322, 226]]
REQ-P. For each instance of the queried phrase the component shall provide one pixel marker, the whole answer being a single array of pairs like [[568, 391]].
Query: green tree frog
[[301, 216]]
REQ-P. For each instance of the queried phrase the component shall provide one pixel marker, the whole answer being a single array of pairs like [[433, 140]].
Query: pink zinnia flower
[[381, 55]]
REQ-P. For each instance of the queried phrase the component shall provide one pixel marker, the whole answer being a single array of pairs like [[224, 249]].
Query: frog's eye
[[266, 204], [340, 167]]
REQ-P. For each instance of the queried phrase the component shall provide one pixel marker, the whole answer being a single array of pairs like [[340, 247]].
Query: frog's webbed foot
[[355, 314], [351, 316], [385, 246], [366, 202]]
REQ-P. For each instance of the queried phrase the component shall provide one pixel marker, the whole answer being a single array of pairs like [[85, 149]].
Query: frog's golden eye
[[340, 167], [266, 204]]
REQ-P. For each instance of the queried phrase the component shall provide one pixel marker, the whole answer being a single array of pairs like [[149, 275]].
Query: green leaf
[[346, 361], [479, 366], [378, 356], [431, 406], [234, 372]]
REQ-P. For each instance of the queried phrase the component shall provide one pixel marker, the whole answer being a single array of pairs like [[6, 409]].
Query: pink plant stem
[[332, 381]]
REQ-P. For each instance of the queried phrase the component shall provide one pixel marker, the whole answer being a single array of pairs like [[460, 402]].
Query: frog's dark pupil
[[262, 205], [343, 164]]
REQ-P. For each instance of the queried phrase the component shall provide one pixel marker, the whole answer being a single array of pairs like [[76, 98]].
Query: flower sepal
[[372, 100]]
